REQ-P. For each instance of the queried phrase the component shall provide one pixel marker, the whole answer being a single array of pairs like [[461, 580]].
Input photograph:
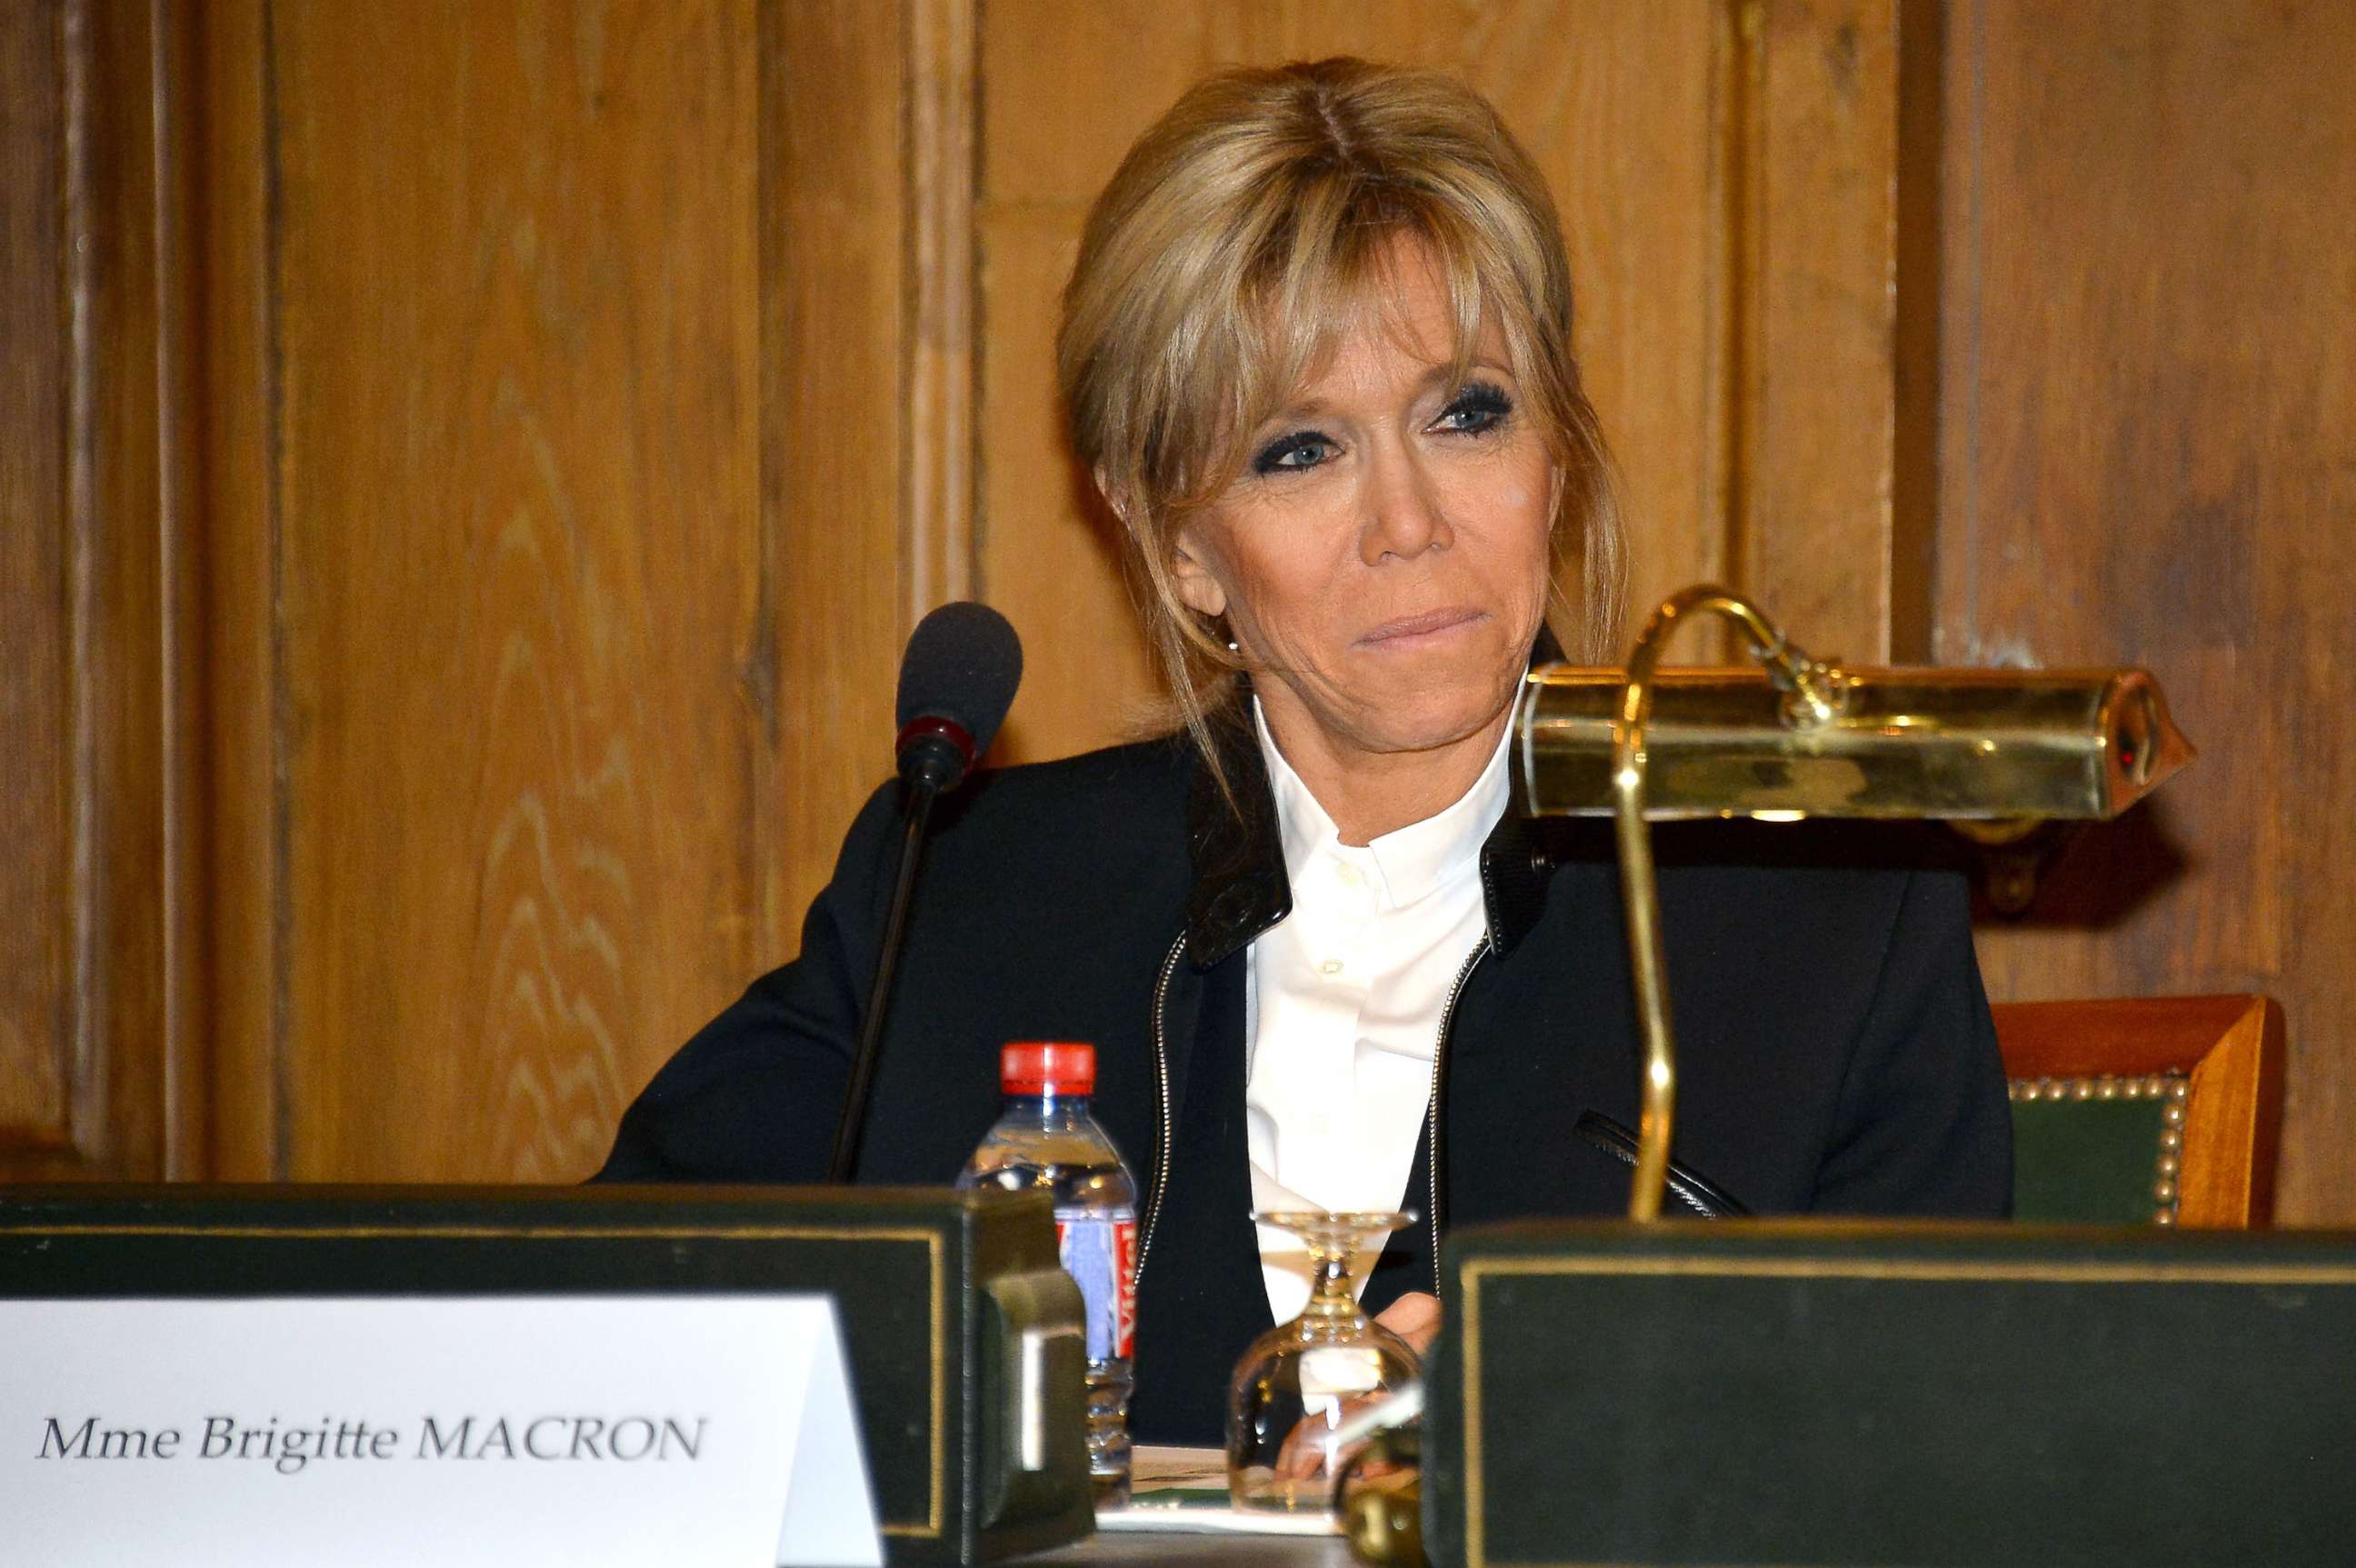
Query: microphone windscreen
[[963, 664]]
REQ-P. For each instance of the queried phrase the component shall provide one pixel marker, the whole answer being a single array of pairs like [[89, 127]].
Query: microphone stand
[[926, 780]]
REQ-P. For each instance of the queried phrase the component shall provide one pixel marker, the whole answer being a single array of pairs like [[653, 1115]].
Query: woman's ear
[[1202, 590], [1197, 589], [1104, 489]]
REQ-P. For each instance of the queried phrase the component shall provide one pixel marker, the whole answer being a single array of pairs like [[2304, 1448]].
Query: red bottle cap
[[1047, 1067]]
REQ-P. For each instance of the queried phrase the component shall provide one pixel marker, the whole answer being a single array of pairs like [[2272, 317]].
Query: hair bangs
[[1331, 272]]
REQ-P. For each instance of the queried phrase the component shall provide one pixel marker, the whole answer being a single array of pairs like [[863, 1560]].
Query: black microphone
[[956, 681]]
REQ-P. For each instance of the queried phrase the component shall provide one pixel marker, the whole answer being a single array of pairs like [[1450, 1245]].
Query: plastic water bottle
[[1046, 1138]]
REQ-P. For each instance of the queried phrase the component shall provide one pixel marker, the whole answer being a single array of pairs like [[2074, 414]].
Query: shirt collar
[[1407, 864]]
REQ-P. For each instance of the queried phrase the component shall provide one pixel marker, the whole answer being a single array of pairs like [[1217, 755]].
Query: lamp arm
[[1813, 697]]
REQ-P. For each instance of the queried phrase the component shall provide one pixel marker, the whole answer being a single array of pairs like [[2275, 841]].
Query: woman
[[1316, 351]]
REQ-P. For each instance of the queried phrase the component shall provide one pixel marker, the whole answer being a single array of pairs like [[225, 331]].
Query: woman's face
[[1382, 560]]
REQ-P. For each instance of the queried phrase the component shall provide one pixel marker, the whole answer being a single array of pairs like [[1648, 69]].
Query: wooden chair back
[[2193, 1084]]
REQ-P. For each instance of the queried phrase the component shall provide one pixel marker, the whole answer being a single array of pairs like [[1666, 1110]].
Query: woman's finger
[[1414, 1318]]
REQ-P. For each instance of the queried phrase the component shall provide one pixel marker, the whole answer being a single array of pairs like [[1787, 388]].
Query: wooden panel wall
[[2149, 386], [598, 393], [583, 438], [468, 471], [562, 475], [504, 700]]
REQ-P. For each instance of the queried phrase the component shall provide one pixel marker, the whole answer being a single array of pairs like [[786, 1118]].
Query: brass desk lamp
[[1804, 738], [1994, 751]]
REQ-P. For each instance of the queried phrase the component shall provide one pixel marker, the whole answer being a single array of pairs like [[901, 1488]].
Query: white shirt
[[1343, 1006]]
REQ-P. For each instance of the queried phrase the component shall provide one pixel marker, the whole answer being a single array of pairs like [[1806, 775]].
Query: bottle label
[[1099, 1251]]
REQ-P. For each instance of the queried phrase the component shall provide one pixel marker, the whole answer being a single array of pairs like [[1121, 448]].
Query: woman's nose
[[1403, 514]]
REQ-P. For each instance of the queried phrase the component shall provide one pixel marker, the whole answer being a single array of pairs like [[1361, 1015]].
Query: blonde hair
[[1246, 232]]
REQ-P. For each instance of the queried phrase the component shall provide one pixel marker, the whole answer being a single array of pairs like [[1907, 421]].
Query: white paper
[[828, 1469], [1164, 1477], [445, 1431]]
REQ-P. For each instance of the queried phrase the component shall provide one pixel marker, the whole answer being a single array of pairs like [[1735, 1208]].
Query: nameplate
[[487, 1430]]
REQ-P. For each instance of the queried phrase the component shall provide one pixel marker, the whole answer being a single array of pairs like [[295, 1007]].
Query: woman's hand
[[1414, 1318]]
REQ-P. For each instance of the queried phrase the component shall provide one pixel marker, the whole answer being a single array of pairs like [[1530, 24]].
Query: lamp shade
[[1908, 743]]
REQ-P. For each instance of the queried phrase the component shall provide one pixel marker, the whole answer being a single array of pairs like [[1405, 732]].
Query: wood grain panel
[[839, 459], [119, 1110], [937, 319], [36, 761], [521, 571], [81, 780], [2148, 395], [233, 168], [1620, 104], [1810, 519], [184, 688], [1623, 108], [1048, 556], [562, 507], [1044, 552]]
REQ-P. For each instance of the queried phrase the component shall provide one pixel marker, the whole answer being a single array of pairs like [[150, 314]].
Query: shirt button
[[1331, 966], [1349, 874]]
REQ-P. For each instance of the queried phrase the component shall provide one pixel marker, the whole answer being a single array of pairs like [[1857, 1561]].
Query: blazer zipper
[[1162, 1088], [1161, 1094], [1439, 1064]]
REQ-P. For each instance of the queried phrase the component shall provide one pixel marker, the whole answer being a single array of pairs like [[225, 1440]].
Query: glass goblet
[[1301, 1380]]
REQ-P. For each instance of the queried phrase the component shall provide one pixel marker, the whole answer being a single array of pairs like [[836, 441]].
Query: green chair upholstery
[[2098, 1150], [2133, 1111]]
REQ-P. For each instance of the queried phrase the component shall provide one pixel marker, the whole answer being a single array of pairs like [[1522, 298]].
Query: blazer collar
[[1240, 888]]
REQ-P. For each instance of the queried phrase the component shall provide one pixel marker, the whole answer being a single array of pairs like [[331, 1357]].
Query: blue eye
[[1477, 407], [1301, 449]]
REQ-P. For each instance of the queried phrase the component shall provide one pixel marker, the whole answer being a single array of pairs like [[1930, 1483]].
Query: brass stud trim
[[2173, 1089]]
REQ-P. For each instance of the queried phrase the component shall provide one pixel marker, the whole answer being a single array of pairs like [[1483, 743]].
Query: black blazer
[[1835, 1049]]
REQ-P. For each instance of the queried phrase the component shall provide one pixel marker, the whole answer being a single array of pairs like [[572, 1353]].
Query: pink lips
[[1411, 631]]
